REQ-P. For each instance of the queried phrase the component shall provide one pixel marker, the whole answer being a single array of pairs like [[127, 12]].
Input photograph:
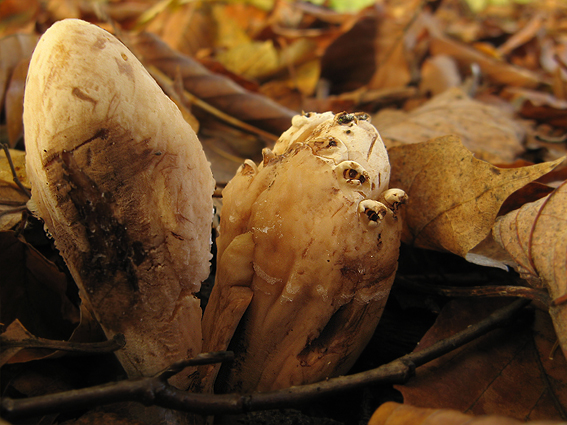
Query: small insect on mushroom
[[307, 254]]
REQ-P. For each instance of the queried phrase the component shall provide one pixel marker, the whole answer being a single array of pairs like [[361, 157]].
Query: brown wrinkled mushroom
[[124, 188], [307, 253]]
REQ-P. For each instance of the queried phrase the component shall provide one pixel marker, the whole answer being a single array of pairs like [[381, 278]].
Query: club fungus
[[307, 253], [124, 188]]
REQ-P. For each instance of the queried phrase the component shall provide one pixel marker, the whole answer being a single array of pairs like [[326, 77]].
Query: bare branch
[[155, 391]]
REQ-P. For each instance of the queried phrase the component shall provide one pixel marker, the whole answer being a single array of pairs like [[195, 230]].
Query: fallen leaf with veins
[[392, 413], [484, 129], [454, 197], [12, 199], [535, 235], [505, 372]]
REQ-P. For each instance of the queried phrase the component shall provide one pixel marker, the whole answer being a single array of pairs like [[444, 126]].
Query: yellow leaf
[[453, 197]]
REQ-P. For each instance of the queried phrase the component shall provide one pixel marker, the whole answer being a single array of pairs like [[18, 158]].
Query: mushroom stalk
[[124, 188], [307, 253]]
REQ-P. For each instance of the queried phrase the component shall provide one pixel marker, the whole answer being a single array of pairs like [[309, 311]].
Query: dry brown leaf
[[348, 63], [438, 74], [34, 291], [506, 372], [216, 90], [12, 199], [540, 106], [394, 36], [454, 198], [17, 332], [497, 71], [15, 102], [17, 15], [484, 129], [392, 413], [513, 232], [536, 237], [187, 28], [13, 49]]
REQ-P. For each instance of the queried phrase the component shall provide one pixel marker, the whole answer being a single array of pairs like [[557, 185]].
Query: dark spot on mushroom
[[125, 68], [352, 173], [344, 118], [372, 215], [362, 179], [79, 94], [100, 43], [113, 257], [363, 116], [332, 142], [348, 132], [176, 236]]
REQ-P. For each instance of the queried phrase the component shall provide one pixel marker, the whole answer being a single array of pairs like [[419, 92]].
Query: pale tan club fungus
[[124, 188], [307, 254]]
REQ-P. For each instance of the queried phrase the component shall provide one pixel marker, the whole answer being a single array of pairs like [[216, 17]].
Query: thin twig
[[154, 391], [479, 291], [13, 169], [82, 347], [198, 360]]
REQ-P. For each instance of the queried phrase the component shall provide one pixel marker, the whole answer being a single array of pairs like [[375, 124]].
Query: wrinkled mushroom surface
[[307, 254], [124, 188]]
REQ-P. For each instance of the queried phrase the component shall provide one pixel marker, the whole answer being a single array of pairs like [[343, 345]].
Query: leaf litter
[[424, 72]]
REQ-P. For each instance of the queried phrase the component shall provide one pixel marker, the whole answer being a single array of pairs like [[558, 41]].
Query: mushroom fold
[[306, 256]]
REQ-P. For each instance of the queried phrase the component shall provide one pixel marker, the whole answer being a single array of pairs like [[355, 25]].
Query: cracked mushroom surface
[[123, 186], [307, 253]]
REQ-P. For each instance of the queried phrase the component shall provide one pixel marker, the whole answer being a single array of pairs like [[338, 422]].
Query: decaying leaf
[[217, 90], [507, 372], [454, 197], [498, 71], [15, 102], [12, 199], [483, 128], [124, 188], [535, 235], [34, 291], [392, 413], [17, 331], [307, 254]]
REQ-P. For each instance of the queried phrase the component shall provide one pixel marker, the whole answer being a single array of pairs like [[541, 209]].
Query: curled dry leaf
[[454, 197], [536, 237], [17, 331], [392, 413], [124, 188], [505, 372], [216, 90], [307, 254], [483, 128]]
